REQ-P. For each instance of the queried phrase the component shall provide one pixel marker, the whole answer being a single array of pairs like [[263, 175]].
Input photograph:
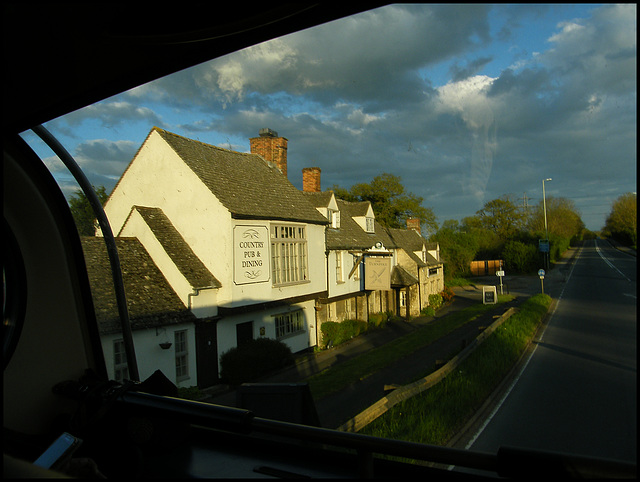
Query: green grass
[[337, 378], [437, 414], [459, 282]]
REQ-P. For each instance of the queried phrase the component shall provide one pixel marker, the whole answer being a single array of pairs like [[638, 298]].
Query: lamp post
[[546, 229]]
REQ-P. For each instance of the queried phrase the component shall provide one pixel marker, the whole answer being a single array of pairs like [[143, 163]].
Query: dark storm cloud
[[407, 89]]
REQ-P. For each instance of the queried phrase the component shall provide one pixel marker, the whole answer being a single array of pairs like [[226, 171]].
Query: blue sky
[[466, 103]]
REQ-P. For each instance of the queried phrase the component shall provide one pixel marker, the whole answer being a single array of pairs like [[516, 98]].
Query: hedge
[[254, 359]]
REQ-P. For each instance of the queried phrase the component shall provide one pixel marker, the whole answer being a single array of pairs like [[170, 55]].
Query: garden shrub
[[253, 359], [428, 311], [435, 301], [379, 319], [339, 332], [447, 295]]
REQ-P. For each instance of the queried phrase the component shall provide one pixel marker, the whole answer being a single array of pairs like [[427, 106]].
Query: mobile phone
[[58, 452]]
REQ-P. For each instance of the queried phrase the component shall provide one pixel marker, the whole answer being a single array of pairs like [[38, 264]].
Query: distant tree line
[[504, 230], [622, 222]]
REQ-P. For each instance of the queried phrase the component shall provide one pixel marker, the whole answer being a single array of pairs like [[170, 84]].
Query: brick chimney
[[414, 223], [311, 179], [271, 147]]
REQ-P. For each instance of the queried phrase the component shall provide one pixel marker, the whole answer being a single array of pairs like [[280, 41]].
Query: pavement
[[338, 408]]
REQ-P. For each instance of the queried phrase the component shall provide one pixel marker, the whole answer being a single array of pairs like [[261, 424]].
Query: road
[[577, 392]]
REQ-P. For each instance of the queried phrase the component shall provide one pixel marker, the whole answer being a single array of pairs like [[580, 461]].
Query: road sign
[[543, 245], [541, 273], [500, 273]]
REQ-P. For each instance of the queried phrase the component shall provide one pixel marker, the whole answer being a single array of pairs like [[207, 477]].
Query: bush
[[447, 295], [338, 332], [253, 359], [379, 319], [520, 257], [190, 393], [428, 311], [435, 301]]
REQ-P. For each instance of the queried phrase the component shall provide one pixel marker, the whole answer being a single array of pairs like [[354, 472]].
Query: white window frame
[[289, 257], [356, 274], [339, 267], [289, 324], [370, 225], [120, 366], [335, 219], [181, 346], [403, 298]]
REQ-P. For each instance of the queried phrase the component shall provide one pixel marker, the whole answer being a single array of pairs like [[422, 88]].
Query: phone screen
[[58, 452]]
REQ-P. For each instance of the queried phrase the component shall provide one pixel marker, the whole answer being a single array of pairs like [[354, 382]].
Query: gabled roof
[[411, 242], [248, 186], [150, 299], [189, 265], [400, 277], [319, 199], [360, 208], [349, 235], [408, 239]]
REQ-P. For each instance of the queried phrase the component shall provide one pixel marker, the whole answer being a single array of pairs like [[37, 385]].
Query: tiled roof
[[194, 270], [411, 242], [248, 186], [407, 239], [350, 235], [401, 277], [318, 199], [150, 299]]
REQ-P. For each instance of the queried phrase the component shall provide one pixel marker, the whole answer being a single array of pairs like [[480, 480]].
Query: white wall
[[150, 357], [251, 293], [157, 177], [264, 326], [348, 285]]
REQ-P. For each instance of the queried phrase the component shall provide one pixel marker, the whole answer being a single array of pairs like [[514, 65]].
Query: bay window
[[288, 254]]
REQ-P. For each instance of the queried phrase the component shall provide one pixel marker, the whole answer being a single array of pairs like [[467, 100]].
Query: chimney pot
[[266, 132], [271, 147]]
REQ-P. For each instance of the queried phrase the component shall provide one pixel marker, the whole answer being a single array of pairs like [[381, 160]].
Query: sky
[[465, 103]]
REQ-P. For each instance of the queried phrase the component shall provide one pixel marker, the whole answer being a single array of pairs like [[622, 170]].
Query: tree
[[457, 248], [563, 218], [520, 257], [489, 244], [391, 205], [83, 213], [503, 217], [622, 222]]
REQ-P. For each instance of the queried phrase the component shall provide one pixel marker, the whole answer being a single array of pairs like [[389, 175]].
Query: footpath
[[340, 407]]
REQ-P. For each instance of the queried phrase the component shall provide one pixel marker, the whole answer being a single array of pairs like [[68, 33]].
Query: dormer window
[[334, 217], [370, 226]]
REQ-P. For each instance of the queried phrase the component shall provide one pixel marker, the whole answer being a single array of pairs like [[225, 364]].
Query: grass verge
[[436, 415], [337, 378]]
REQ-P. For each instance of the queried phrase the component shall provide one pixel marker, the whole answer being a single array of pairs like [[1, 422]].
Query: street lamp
[[546, 229]]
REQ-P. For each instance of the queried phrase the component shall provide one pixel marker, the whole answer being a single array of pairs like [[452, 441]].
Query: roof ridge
[[188, 139]]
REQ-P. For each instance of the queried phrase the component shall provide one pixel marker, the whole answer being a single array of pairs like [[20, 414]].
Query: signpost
[[541, 274], [500, 274]]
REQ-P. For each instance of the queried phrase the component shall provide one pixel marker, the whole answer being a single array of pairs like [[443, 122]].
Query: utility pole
[[546, 229]]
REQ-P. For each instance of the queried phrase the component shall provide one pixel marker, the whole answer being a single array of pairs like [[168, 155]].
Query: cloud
[[113, 113], [452, 98], [104, 157]]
